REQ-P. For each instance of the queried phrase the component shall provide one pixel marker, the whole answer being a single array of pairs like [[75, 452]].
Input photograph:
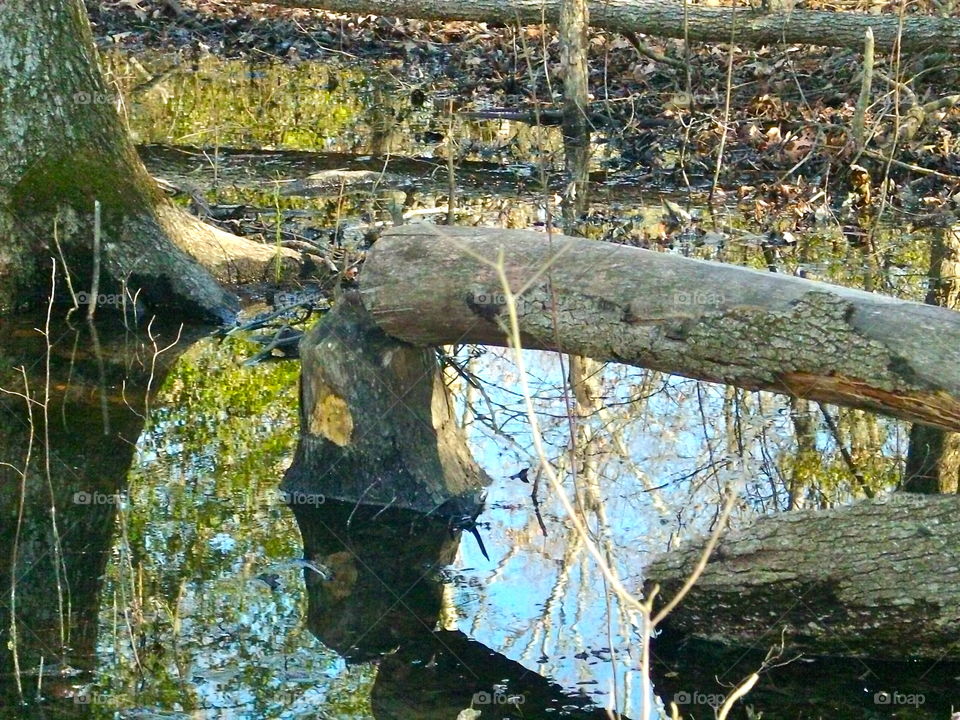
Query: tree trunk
[[574, 50], [933, 459], [377, 425], [877, 579], [574, 28], [425, 285], [665, 18], [63, 147]]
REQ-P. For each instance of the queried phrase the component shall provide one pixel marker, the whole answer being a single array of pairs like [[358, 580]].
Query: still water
[[172, 580]]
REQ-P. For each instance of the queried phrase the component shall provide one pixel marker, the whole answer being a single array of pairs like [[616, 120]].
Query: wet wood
[[877, 579], [377, 426], [430, 285]]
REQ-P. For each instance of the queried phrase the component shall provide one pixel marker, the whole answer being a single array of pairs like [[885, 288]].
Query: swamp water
[[183, 584]]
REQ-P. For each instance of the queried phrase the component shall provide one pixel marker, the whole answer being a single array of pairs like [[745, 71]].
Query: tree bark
[[665, 18], [377, 425], [63, 147], [933, 458], [574, 30], [428, 285], [877, 579]]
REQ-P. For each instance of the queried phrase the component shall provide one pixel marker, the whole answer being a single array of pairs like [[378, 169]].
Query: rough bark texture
[[424, 284], [877, 579], [376, 422], [574, 30], [63, 146], [666, 19], [933, 460]]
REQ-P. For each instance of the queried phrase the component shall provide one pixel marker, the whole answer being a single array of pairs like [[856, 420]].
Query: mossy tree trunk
[[62, 147]]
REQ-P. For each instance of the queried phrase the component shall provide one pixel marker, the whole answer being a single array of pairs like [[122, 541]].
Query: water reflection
[[205, 101], [377, 594], [188, 590], [73, 407]]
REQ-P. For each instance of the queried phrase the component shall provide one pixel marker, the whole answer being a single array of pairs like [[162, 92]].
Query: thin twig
[[95, 283], [726, 104]]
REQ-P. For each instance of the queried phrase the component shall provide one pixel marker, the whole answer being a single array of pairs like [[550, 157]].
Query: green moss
[[77, 178], [16, 262]]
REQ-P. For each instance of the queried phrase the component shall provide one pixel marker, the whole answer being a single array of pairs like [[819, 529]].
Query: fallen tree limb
[[427, 285], [877, 579], [666, 19]]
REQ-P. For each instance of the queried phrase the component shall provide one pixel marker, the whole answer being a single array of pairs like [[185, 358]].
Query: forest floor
[[787, 126]]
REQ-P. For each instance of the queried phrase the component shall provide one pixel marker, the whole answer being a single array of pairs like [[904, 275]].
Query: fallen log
[[674, 19], [430, 285], [878, 579]]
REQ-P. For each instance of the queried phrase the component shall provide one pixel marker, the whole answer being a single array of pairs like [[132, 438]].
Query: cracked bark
[[877, 579], [426, 286]]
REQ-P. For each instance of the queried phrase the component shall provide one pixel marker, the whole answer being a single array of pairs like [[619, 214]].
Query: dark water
[[182, 585]]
